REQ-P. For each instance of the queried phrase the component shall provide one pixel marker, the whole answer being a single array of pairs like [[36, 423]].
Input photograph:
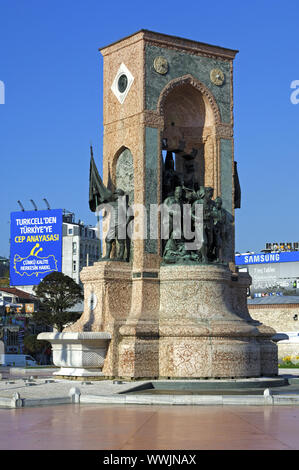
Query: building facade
[[80, 246], [16, 308]]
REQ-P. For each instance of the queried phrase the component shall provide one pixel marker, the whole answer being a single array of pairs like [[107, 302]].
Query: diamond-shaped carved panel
[[122, 83]]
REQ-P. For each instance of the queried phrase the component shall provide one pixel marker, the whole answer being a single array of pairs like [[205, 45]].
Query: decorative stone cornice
[[172, 42], [188, 45], [147, 118]]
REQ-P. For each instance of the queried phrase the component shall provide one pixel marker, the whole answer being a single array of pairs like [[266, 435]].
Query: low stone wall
[[281, 319]]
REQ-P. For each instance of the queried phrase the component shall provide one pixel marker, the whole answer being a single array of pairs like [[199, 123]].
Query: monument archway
[[190, 116]]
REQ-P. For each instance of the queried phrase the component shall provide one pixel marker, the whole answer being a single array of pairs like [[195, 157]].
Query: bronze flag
[[98, 193]]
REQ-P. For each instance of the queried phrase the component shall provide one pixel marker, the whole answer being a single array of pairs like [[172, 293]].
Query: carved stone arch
[[123, 171], [114, 159], [191, 118], [190, 80]]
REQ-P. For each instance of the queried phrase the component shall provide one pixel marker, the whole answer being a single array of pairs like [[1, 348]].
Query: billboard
[[263, 258], [272, 273], [36, 245]]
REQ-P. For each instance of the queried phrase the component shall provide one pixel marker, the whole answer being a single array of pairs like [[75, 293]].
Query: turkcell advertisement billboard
[[36, 245]]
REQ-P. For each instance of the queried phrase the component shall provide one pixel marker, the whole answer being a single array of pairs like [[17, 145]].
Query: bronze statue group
[[195, 223], [208, 223]]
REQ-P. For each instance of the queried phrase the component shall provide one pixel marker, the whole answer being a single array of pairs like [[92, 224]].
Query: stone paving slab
[[33, 390], [38, 388]]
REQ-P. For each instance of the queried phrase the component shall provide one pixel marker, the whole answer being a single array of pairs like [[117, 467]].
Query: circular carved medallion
[[217, 77], [161, 65]]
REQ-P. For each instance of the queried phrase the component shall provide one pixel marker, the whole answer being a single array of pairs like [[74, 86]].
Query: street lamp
[[47, 204], [34, 205], [21, 206]]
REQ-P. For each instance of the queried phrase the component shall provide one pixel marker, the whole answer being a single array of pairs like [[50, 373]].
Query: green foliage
[[288, 366], [4, 280], [34, 346], [57, 293], [289, 362]]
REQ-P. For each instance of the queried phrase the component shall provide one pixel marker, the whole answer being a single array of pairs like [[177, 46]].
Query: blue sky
[[52, 70]]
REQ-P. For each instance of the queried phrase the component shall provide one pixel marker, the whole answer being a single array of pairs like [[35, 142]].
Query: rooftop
[[17, 292], [274, 300]]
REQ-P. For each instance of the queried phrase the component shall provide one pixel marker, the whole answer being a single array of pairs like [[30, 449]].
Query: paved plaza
[[98, 426], [86, 427]]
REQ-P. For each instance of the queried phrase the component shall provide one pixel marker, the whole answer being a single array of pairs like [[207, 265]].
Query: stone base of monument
[[203, 330], [79, 354], [191, 322]]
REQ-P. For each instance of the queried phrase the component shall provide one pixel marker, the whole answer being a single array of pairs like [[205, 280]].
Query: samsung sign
[[36, 245], [264, 258]]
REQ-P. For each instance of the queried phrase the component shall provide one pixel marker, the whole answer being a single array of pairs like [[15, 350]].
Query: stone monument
[[166, 307]]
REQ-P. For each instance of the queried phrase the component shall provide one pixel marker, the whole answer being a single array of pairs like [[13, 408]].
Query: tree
[[58, 293], [35, 346], [4, 279]]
